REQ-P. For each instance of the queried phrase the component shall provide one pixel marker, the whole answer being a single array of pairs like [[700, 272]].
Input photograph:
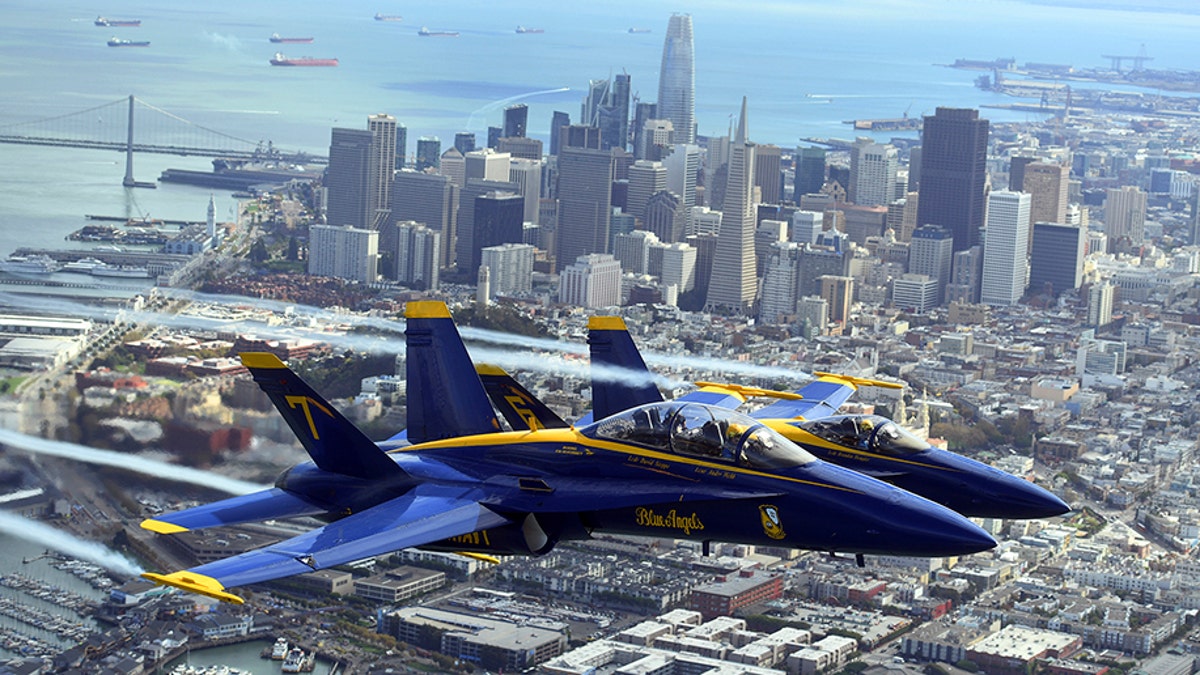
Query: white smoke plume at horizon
[[65, 542], [121, 460]]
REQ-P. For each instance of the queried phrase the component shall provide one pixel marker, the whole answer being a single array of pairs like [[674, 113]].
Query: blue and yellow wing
[[819, 398], [424, 515]]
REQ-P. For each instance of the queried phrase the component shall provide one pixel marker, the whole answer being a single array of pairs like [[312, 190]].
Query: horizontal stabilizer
[[333, 442], [424, 515], [521, 409], [251, 508], [445, 397]]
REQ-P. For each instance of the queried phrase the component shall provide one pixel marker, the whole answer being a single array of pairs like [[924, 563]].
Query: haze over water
[[805, 66]]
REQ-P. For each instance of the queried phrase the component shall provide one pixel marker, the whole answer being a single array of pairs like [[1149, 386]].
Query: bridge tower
[[129, 180]]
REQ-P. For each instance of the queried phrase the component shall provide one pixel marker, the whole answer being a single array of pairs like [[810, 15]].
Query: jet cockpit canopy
[[865, 432], [702, 431]]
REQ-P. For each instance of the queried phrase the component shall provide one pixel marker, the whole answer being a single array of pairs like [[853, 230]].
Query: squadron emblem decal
[[770, 521]]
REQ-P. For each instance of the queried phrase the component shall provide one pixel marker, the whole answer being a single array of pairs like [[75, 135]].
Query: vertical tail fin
[[445, 397], [333, 442], [520, 408], [613, 350]]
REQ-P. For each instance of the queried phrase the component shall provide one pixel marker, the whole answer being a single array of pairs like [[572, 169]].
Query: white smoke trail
[[383, 344], [64, 542], [148, 467], [511, 99]]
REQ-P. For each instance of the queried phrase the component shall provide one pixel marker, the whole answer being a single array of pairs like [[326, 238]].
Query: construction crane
[[1139, 61]]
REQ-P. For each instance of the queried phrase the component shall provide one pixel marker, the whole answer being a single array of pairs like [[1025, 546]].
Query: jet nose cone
[[1027, 500], [891, 521]]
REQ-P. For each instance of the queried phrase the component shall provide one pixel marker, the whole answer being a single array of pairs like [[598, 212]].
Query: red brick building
[[729, 594]]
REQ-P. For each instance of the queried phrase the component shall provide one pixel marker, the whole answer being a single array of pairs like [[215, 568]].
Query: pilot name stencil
[[669, 520]]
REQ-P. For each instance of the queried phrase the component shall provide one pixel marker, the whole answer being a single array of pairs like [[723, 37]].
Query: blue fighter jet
[[454, 482], [870, 444]]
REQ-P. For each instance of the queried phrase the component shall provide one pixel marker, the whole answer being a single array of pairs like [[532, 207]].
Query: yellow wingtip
[[482, 557], [194, 583], [162, 527], [427, 309], [606, 323], [261, 360]]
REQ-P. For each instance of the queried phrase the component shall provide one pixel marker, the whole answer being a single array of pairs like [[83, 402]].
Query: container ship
[[425, 32], [101, 21], [122, 42], [276, 38], [281, 60], [523, 30], [388, 17]]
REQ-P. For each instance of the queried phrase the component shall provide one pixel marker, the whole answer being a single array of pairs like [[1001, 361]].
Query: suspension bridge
[[110, 126]]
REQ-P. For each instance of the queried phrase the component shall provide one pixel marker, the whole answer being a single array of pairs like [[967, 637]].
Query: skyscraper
[[418, 255], [465, 247], [1056, 264], [780, 282], [429, 152], [498, 219], [642, 113], [453, 165], [768, 173], [1124, 217], [401, 146], [557, 121], [646, 178], [1005, 265], [593, 280], [1046, 184], [677, 79], [464, 141], [734, 274], [873, 168], [683, 169], [511, 268], [665, 217], [344, 252], [953, 171], [932, 254], [585, 178], [487, 164], [516, 118], [430, 199], [349, 200], [527, 174], [810, 172], [379, 175]]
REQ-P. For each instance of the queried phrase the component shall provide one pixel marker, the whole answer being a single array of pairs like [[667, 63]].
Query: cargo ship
[[388, 17], [639, 30], [275, 37], [425, 32], [523, 30], [133, 23], [281, 60], [122, 42]]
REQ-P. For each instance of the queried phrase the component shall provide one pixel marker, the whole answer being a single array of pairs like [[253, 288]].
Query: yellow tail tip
[[606, 323], [261, 360], [194, 583], [427, 309]]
